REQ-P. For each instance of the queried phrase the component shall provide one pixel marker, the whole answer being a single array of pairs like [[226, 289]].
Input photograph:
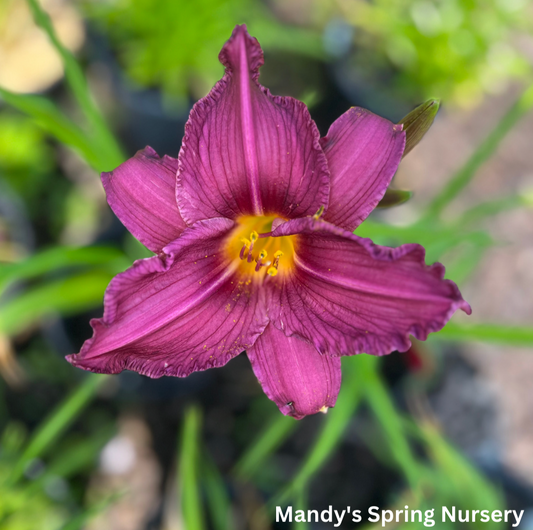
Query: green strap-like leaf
[[66, 297], [463, 263], [103, 137], [490, 333], [57, 258], [456, 478], [301, 504], [486, 209], [188, 487], [49, 431], [80, 456], [523, 104], [378, 398], [218, 501], [269, 439], [435, 239], [51, 120], [80, 521], [336, 421]]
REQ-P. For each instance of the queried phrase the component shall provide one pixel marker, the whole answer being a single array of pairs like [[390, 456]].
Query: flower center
[[257, 250]]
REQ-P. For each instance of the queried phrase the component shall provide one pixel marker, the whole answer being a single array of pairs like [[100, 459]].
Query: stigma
[[259, 253]]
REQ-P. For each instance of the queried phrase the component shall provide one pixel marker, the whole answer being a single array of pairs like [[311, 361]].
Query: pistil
[[246, 245]]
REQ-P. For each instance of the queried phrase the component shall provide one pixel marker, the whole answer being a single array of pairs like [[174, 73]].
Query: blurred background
[[83, 86]]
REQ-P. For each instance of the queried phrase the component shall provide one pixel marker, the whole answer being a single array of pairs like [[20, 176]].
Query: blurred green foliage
[[22, 149], [78, 291], [33, 487], [453, 49], [174, 44], [436, 476]]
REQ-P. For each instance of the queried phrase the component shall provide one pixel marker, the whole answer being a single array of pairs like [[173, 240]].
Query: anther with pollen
[[273, 270], [246, 245], [254, 236], [261, 257], [261, 260]]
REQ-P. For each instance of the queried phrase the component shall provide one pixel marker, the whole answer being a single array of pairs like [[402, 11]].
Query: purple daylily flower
[[252, 226]]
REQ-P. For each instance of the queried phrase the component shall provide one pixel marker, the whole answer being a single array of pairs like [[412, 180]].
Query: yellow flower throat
[[257, 251]]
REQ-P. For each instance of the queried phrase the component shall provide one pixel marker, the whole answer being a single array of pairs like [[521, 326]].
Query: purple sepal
[[142, 193]]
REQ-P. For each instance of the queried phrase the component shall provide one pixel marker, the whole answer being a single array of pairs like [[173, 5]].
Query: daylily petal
[[363, 152], [178, 314], [142, 193], [246, 152], [293, 374], [348, 296]]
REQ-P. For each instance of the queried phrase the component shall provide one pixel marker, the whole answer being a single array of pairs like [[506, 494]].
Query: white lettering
[[373, 512], [313, 513], [340, 517], [466, 517], [281, 517], [518, 517], [329, 515], [446, 513], [428, 517], [385, 517], [299, 516]]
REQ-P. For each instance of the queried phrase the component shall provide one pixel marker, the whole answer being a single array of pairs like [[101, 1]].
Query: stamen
[[272, 271], [246, 243], [259, 250], [261, 264], [254, 236], [262, 256], [277, 256]]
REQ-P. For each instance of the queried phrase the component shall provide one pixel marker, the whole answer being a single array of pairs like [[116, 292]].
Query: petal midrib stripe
[[248, 134], [157, 323], [363, 287]]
